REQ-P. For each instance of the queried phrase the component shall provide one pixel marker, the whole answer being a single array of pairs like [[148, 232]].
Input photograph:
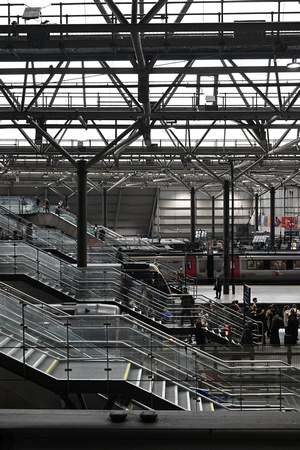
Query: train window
[[296, 265], [277, 265], [251, 265], [255, 264], [260, 265]]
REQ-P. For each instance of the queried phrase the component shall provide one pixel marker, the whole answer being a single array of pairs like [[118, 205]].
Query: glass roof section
[[145, 89]]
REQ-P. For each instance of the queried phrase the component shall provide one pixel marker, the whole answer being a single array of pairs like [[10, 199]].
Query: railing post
[[241, 390], [38, 266], [23, 338], [289, 354], [67, 347], [197, 396], [60, 274], [151, 376], [15, 258], [280, 390], [107, 368]]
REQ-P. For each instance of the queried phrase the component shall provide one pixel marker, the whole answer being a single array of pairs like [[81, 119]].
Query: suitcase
[[288, 339]]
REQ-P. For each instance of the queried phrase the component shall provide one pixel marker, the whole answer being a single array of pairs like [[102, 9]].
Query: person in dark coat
[[218, 287], [119, 255], [187, 303], [276, 324], [247, 335], [292, 326], [47, 205], [200, 334]]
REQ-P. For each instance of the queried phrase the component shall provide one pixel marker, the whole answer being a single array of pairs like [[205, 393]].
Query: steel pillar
[[213, 217], [272, 218], [232, 230], [81, 214], [256, 212], [193, 215], [104, 207], [226, 237]]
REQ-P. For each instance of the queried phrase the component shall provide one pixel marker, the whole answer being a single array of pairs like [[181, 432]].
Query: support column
[[193, 217], [104, 207], [226, 237], [256, 212], [232, 231], [272, 218], [81, 214], [213, 217]]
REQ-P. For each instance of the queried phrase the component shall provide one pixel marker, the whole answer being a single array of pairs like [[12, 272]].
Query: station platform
[[265, 294]]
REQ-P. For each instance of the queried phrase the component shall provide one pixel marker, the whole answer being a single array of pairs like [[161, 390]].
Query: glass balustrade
[[107, 347], [106, 283]]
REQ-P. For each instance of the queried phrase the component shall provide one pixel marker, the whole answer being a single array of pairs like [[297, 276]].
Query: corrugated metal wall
[[129, 210]]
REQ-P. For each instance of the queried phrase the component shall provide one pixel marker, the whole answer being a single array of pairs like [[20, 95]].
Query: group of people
[[45, 206], [14, 236], [271, 321], [18, 235]]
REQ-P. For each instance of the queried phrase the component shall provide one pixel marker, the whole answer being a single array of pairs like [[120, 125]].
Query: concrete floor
[[77, 430], [281, 294]]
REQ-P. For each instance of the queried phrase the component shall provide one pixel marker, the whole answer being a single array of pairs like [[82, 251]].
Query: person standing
[[218, 286], [200, 334], [145, 301], [276, 324], [38, 203], [119, 255], [247, 335], [286, 313], [187, 303], [292, 326], [47, 205], [29, 231], [180, 276], [102, 234]]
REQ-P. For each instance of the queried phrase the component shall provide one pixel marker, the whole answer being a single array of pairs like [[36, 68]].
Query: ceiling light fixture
[[294, 64]]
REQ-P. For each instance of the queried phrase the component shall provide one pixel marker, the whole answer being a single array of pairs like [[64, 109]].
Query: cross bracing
[[171, 93]]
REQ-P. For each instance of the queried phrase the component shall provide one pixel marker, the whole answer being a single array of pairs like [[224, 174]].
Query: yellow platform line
[[51, 366], [212, 407], [126, 371]]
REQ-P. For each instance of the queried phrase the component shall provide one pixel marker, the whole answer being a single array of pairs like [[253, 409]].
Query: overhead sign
[[291, 233], [247, 295]]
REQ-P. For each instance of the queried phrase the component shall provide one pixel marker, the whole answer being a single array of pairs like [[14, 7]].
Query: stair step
[[145, 381], [39, 360], [159, 388], [18, 353], [4, 340], [47, 364], [196, 402], [184, 399], [10, 347], [134, 375], [29, 353], [172, 393]]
